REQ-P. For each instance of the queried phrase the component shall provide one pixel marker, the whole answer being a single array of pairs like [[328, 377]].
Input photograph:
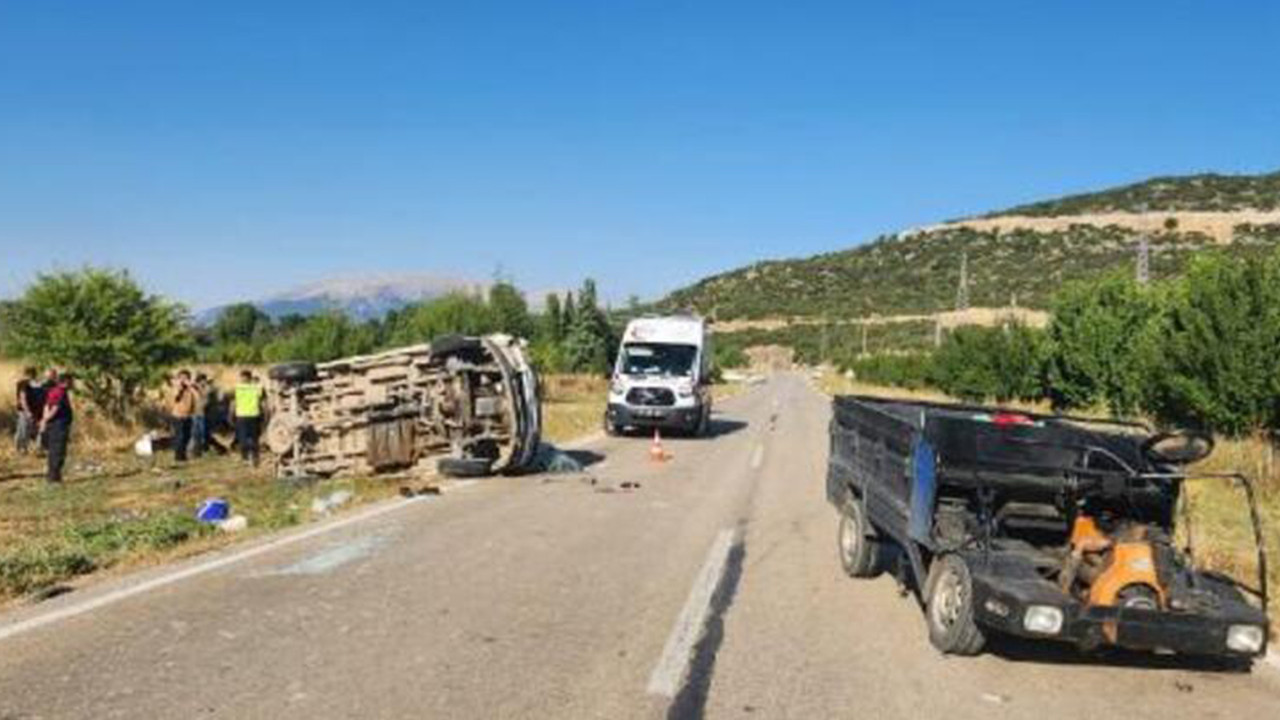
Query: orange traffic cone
[[656, 453]]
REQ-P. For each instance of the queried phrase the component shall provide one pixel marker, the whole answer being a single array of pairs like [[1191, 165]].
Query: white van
[[662, 377]]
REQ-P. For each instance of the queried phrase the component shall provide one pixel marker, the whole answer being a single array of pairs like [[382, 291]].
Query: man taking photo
[[183, 408]]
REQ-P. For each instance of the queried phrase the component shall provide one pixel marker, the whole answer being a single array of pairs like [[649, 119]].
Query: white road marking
[[677, 653], [76, 609], [757, 457]]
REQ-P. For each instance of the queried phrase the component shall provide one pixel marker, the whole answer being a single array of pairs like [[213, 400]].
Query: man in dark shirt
[[55, 424], [30, 402], [50, 379]]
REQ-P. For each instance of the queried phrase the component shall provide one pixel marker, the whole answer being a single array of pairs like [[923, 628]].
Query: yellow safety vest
[[248, 400]]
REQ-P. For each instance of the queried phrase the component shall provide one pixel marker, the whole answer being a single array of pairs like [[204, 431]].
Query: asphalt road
[[711, 589]]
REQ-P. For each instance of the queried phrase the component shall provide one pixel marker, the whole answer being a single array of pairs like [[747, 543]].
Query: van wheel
[[611, 428], [702, 429], [949, 608], [858, 552], [293, 372]]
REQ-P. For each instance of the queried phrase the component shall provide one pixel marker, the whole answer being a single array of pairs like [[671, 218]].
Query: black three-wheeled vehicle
[[1040, 526]]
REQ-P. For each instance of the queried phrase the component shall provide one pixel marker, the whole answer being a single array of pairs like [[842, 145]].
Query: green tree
[[568, 313], [509, 310], [552, 319], [240, 323], [981, 363], [960, 365], [1218, 365], [102, 326], [1096, 344], [453, 313], [589, 339], [321, 338]]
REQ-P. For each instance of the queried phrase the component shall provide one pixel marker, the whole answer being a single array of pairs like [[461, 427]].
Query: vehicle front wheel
[[949, 608], [611, 428], [703, 426], [859, 552]]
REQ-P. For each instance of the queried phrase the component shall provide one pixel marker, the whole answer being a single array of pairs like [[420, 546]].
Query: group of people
[[45, 416], [193, 403]]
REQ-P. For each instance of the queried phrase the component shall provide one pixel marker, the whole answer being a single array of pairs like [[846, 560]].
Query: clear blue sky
[[225, 150]]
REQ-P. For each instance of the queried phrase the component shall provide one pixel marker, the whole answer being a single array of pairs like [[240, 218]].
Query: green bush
[[85, 547], [33, 567], [911, 371], [1097, 339], [1218, 359], [154, 532], [981, 363]]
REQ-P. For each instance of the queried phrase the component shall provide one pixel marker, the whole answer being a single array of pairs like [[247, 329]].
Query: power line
[[1144, 260]]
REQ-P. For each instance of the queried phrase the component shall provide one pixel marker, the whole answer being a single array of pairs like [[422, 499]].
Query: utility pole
[[822, 348], [1144, 260], [962, 291], [864, 337]]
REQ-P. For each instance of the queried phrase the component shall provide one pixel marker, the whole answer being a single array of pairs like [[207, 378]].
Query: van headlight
[[1043, 619], [685, 389], [1245, 638], [616, 387]]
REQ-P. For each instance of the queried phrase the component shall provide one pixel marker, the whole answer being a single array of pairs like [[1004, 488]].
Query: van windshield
[[658, 359]]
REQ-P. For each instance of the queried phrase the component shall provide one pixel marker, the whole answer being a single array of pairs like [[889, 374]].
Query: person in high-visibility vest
[[247, 406]]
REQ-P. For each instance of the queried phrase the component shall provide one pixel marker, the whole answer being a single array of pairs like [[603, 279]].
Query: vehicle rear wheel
[[949, 608], [465, 467], [293, 372], [446, 345], [859, 552]]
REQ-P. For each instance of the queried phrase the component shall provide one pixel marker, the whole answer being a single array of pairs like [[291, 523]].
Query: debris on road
[[233, 524], [335, 500], [409, 491], [555, 461], [145, 445], [995, 698]]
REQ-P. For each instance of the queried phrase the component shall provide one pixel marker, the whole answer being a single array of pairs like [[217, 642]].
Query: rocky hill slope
[[1016, 257]]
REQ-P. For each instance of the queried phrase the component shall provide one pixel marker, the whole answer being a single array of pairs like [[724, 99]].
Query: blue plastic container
[[213, 510]]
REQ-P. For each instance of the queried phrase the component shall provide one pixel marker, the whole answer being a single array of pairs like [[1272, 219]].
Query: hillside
[[1020, 256], [1208, 192]]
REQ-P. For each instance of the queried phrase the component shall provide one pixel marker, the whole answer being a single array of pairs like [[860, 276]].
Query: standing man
[[199, 421], [30, 402], [183, 409], [55, 423], [50, 380], [246, 413]]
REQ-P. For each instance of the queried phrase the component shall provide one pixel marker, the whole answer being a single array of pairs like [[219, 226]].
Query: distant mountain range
[[361, 297]]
